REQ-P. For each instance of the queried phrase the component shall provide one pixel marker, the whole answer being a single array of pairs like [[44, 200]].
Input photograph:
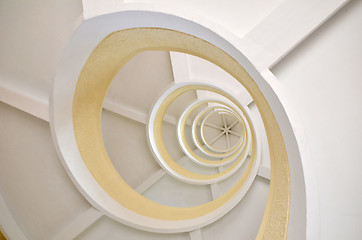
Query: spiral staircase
[[158, 123]]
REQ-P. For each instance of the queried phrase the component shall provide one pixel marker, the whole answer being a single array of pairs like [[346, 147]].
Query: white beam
[[196, 235], [79, 225], [126, 111], [25, 102], [8, 224], [264, 172], [150, 181], [180, 68], [216, 138], [40, 107], [213, 126], [155, 177], [285, 28], [215, 191]]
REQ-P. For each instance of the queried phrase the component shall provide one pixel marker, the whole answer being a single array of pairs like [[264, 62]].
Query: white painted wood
[[79, 225], [286, 27], [196, 235], [8, 224]]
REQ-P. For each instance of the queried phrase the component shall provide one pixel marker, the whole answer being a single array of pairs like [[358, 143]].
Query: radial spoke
[[224, 121], [234, 133], [227, 140], [213, 126], [233, 124], [216, 138]]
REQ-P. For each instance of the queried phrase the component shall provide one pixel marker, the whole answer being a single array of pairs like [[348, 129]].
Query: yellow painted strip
[[2, 237]]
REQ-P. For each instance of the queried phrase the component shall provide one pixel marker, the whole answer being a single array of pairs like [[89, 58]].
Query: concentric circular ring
[[96, 52], [226, 156], [164, 158], [213, 110], [181, 129]]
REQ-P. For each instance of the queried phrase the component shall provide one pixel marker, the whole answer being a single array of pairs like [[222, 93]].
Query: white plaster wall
[[33, 35], [127, 147], [139, 83], [244, 220], [172, 192], [323, 78], [237, 16], [33, 182], [109, 229]]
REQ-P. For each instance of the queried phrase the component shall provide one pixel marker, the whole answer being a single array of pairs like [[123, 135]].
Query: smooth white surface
[[8, 224], [79, 225], [244, 221], [126, 144], [287, 26], [107, 228], [323, 78], [237, 16], [33, 36], [138, 89], [196, 235], [33, 182], [25, 102]]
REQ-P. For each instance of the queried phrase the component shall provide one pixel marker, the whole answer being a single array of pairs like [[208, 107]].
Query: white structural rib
[[8, 224], [150, 181], [79, 225], [25, 102], [196, 235], [286, 27], [40, 107], [215, 191], [264, 172], [155, 177], [180, 68]]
